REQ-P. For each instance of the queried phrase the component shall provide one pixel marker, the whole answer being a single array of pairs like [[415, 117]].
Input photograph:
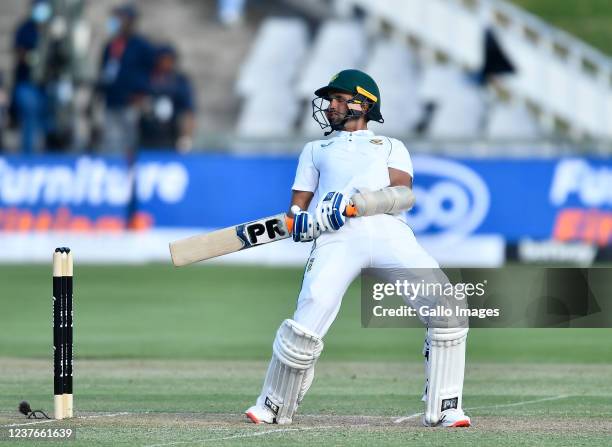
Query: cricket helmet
[[354, 82]]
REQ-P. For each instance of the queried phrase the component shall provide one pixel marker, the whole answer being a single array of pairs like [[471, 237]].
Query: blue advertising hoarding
[[566, 198]]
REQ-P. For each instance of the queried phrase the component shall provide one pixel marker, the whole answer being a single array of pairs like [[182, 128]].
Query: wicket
[[62, 333]]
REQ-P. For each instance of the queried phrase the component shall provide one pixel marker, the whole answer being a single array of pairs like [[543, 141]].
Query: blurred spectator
[[127, 61], [168, 120], [231, 12], [457, 104], [496, 62], [28, 99], [55, 76]]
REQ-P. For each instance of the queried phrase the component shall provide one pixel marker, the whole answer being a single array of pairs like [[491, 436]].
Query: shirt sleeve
[[399, 158], [185, 100], [307, 175]]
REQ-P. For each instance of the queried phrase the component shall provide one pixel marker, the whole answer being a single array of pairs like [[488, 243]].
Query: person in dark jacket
[[127, 62], [168, 120], [27, 98]]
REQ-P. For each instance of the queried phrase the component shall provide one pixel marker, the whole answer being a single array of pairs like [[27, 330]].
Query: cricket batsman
[[374, 174]]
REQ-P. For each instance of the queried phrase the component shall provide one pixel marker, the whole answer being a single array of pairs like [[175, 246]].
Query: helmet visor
[[326, 118], [320, 106]]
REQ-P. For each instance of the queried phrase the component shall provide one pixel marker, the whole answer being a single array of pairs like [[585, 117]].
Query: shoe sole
[[252, 417], [462, 423]]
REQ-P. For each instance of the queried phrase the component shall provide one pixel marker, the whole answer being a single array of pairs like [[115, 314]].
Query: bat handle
[[350, 211], [289, 222]]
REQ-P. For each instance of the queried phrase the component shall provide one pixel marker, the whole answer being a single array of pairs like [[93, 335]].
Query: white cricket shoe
[[257, 415], [452, 418]]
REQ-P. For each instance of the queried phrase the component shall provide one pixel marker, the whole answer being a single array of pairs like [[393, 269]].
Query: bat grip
[[350, 211]]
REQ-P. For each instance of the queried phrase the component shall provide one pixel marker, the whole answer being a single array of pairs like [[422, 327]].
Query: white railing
[[565, 80]]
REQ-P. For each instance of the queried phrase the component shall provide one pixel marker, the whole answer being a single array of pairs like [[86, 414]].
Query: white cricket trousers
[[381, 241]]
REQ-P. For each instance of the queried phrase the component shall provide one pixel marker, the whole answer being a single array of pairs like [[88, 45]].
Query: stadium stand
[[12, 11], [267, 78], [337, 45], [451, 93], [269, 113], [511, 121], [393, 66], [567, 81], [560, 80], [275, 57]]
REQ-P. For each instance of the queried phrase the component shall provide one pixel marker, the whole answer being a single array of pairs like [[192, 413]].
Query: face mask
[[41, 12], [112, 26]]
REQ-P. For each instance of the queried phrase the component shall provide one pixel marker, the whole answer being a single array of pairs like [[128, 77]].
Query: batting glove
[[330, 211], [305, 229]]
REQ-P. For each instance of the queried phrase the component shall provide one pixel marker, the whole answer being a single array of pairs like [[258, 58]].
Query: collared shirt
[[350, 162]]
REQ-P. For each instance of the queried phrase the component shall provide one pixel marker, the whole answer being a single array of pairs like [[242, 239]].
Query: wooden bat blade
[[204, 246], [229, 240]]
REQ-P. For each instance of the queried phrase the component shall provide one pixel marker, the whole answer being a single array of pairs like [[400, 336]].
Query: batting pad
[[291, 370], [445, 367]]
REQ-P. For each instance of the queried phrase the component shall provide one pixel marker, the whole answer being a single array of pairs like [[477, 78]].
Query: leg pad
[[445, 364], [291, 370]]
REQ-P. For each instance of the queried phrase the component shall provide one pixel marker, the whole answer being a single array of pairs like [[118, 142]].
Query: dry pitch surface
[[191, 403]]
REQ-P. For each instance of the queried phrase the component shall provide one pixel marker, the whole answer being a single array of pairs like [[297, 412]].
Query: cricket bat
[[232, 239]]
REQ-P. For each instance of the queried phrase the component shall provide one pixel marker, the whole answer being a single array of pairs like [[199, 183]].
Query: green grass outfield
[[170, 357], [590, 20]]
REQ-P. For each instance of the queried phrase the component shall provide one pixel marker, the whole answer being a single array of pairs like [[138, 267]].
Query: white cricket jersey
[[350, 162]]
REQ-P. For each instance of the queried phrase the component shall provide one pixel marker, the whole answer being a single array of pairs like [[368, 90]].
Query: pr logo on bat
[[262, 231]]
